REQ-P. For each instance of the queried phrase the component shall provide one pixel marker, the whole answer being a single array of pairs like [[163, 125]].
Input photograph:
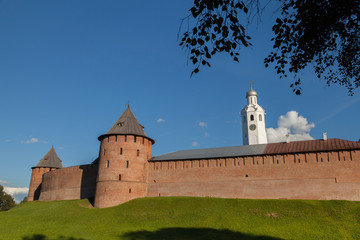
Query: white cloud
[[194, 143], [202, 124], [7, 140], [4, 182], [206, 134], [60, 148], [32, 140], [16, 190], [160, 120], [18, 193], [296, 126]]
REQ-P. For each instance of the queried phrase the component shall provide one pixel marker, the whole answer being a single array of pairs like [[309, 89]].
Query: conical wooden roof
[[50, 160], [127, 124]]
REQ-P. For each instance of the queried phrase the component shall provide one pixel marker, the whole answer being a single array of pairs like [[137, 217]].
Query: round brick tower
[[49, 162], [124, 152]]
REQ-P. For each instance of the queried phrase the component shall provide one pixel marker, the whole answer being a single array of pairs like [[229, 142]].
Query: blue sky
[[67, 69]]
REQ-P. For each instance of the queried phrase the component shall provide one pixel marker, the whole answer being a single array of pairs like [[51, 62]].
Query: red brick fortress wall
[[35, 182], [122, 172], [321, 175], [76, 182]]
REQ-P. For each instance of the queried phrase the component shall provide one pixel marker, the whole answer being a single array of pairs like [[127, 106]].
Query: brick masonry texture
[[125, 170], [321, 175]]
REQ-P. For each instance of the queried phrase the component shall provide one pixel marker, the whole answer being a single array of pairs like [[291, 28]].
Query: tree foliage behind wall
[[6, 201], [321, 34]]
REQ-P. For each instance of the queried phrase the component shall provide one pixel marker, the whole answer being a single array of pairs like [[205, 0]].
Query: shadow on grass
[[43, 237], [192, 233]]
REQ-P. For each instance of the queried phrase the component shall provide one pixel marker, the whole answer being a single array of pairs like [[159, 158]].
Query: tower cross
[[251, 82]]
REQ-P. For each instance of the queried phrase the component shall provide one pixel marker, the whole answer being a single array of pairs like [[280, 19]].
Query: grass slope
[[183, 218]]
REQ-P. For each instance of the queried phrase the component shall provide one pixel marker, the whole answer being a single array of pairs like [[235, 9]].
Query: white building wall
[[253, 128]]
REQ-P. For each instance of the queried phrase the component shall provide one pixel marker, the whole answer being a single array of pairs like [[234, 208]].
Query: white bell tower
[[253, 120]]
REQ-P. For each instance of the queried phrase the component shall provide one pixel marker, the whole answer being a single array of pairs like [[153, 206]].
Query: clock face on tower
[[252, 127]]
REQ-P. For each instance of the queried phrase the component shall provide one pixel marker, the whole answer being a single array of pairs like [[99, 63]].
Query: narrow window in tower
[[129, 190], [321, 159], [251, 117], [134, 138], [107, 164], [143, 140], [121, 151], [119, 177], [299, 160], [260, 117], [104, 152], [125, 138], [116, 138], [138, 152], [127, 164]]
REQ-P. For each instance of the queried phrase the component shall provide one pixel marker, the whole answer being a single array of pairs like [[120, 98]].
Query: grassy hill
[[183, 218]]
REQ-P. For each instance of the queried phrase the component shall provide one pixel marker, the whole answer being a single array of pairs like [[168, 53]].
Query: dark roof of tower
[[262, 149], [127, 124], [50, 160]]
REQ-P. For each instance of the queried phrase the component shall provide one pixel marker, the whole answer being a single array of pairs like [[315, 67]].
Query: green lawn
[[183, 218]]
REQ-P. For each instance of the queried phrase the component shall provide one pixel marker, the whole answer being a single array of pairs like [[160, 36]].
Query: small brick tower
[[48, 163], [124, 153]]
